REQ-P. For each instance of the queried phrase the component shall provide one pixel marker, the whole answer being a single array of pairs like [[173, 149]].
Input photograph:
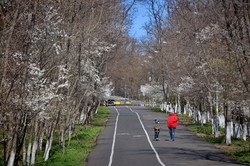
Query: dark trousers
[[172, 133], [157, 132]]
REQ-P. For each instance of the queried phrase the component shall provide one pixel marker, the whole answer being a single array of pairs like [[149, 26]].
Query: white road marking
[[113, 144], [138, 135], [150, 143], [123, 134]]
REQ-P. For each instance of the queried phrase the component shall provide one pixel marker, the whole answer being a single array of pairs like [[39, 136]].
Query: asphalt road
[[127, 140]]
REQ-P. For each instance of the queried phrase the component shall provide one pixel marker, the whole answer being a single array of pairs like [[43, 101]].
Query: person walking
[[172, 124], [157, 128]]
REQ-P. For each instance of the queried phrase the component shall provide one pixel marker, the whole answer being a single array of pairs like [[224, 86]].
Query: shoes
[[157, 139]]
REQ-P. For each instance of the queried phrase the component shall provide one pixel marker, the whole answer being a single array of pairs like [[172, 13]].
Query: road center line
[[114, 137], [150, 143]]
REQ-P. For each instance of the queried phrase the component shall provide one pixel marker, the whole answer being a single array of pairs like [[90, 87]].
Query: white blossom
[[153, 91], [187, 83], [40, 93], [208, 32]]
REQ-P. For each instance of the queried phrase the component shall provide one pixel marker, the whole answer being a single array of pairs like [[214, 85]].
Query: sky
[[139, 19]]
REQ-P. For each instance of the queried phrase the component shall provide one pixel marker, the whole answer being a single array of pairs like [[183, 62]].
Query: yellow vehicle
[[128, 102], [113, 102], [117, 102]]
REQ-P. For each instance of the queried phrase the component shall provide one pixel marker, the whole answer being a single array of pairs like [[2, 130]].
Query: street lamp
[[125, 91]]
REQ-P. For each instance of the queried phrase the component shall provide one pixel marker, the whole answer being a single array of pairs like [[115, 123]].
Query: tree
[[207, 55], [53, 57]]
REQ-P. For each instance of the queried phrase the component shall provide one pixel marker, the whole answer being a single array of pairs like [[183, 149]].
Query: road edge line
[[114, 137], [150, 143]]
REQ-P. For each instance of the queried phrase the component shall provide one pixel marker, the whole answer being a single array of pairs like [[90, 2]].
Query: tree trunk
[[50, 136], [228, 124], [30, 143], [13, 151], [11, 158], [33, 155], [201, 113], [29, 151], [210, 101], [35, 141], [9, 140], [40, 139], [70, 134], [24, 152], [48, 147], [49, 143], [244, 132], [61, 138], [96, 109], [21, 139]]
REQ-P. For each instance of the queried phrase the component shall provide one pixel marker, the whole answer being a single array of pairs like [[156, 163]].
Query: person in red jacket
[[172, 124]]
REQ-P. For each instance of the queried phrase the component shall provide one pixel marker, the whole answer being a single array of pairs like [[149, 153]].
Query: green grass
[[197, 128], [241, 155], [77, 152], [156, 109], [81, 145], [213, 140]]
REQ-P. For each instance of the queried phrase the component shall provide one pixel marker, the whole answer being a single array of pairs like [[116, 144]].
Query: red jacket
[[172, 120]]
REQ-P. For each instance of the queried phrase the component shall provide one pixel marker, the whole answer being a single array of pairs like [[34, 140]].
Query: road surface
[[127, 140]]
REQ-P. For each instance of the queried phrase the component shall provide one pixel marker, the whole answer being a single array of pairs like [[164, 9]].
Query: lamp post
[[125, 91]]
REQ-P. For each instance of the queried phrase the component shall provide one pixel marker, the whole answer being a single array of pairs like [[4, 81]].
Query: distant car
[[110, 102], [128, 102], [117, 102]]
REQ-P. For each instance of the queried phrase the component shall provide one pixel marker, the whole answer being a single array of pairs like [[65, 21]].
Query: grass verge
[[156, 109], [82, 143], [238, 150]]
